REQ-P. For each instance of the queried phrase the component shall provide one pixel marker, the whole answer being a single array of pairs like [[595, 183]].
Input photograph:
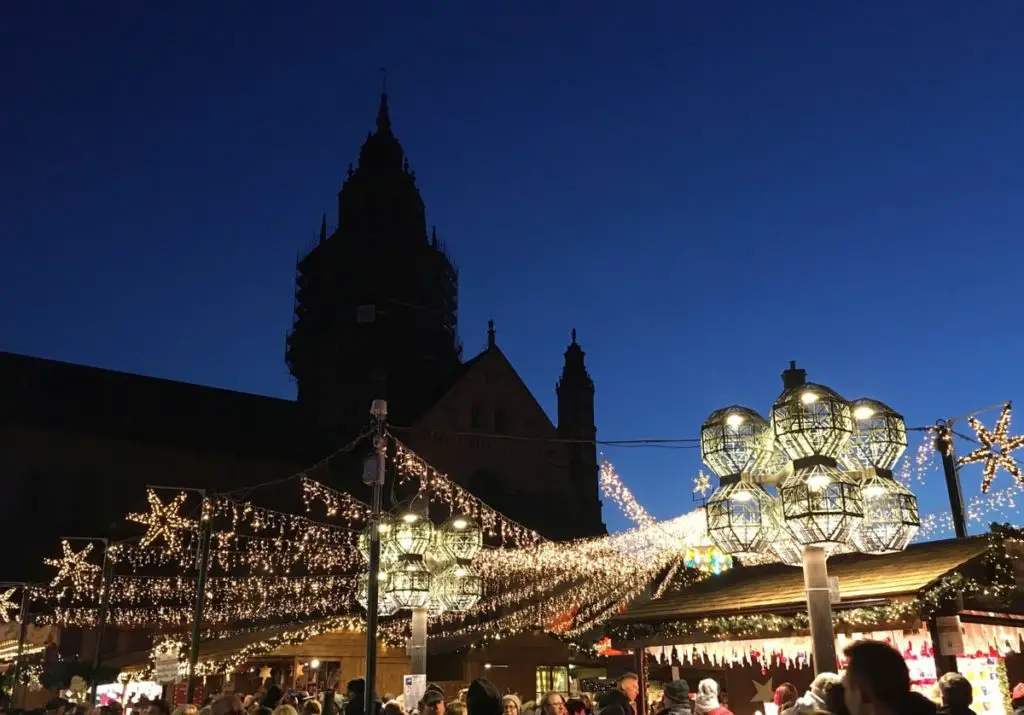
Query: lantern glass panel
[[821, 506], [412, 534], [732, 440], [741, 519], [879, 436], [461, 538], [891, 517], [385, 606], [388, 553], [811, 420], [409, 584], [459, 588]]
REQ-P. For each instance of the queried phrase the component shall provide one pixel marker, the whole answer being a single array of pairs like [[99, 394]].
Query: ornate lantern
[[385, 606], [409, 583], [411, 534], [891, 517], [460, 539], [459, 588], [740, 514], [388, 553], [821, 505]]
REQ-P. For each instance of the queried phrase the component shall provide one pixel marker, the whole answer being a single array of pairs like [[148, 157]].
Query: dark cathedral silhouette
[[376, 306]]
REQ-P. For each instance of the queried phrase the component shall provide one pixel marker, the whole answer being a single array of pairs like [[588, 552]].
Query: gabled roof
[[773, 587]]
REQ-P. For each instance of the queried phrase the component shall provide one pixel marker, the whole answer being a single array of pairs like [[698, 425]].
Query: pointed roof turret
[[383, 115]]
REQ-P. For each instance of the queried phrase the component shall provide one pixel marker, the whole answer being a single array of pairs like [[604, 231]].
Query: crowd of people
[[876, 682]]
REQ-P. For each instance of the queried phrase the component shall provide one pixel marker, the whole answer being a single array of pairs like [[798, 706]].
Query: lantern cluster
[[424, 566], [830, 462]]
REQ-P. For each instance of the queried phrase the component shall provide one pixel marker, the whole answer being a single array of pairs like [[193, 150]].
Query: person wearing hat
[[482, 698], [56, 706], [432, 702], [675, 700]]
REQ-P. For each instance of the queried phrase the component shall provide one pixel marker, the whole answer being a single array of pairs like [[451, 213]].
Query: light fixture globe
[[385, 607], [891, 517], [408, 585], [732, 440], [879, 436], [787, 548], [411, 534], [811, 420], [460, 538], [821, 506], [459, 588], [742, 518]]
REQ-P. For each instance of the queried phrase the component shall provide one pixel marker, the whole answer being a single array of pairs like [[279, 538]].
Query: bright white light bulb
[[742, 496], [863, 412], [808, 397], [875, 490], [410, 518], [734, 420], [315, 663], [818, 481], [460, 523]]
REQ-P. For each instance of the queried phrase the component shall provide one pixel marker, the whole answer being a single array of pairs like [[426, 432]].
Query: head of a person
[[355, 688], [455, 707], [158, 707], [1017, 695], [877, 680], [312, 706], [956, 691], [273, 697], [675, 692], [189, 710], [56, 706], [835, 701], [510, 705], [823, 683], [284, 710], [226, 705], [393, 707], [482, 698], [785, 695], [575, 706], [629, 684], [708, 688], [613, 702], [553, 704], [432, 703]]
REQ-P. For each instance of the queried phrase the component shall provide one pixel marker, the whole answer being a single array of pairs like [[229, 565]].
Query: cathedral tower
[[576, 424], [375, 300]]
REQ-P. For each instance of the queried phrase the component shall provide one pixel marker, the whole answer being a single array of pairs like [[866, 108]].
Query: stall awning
[[757, 589]]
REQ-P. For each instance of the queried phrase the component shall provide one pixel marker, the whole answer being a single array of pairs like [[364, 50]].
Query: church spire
[[383, 116]]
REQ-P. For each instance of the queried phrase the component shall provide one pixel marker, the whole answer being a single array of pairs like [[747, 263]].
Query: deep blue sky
[[705, 190]]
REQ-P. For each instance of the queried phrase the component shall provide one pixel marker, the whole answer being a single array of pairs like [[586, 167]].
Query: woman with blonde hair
[[284, 710], [511, 705]]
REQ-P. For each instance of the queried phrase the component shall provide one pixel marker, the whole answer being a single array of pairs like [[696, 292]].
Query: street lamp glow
[[315, 663], [863, 412], [734, 420], [808, 397]]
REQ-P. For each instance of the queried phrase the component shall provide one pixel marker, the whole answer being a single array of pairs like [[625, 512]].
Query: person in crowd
[[614, 702], [56, 706], [1017, 699], [310, 706], [814, 698], [463, 694], [575, 706], [455, 707], [835, 701], [510, 705], [785, 696], [675, 699], [482, 698], [529, 708], [158, 707], [629, 685], [285, 709], [957, 695], [394, 707], [432, 702], [271, 700], [707, 701], [588, 700], [877, 682], [185, 710], [226, 705]]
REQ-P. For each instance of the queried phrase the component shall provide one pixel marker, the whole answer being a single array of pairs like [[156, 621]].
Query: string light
[[613, 488], [996, 448], [7, 605]]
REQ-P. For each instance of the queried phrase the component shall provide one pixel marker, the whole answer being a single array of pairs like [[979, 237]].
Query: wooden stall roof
[[773, 586]]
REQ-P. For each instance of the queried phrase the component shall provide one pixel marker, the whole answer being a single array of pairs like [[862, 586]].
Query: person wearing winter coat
[[816, 698], [707, 701]]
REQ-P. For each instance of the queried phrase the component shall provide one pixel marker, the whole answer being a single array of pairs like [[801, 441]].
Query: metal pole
[[944, 446], [101, 625], [205, 524], [379, 410], [418, 642], [819, 610], [22, 633]]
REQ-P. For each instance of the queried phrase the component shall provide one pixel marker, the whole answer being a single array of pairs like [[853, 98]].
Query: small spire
[[323, 228], [383, 117], [574, 336], [433, 236], [490, 334]]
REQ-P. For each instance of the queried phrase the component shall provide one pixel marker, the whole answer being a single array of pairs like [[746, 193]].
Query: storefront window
[[552, 678]]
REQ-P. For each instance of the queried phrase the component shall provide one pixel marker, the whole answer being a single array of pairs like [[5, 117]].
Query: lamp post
[[831, 464], [426, 569]]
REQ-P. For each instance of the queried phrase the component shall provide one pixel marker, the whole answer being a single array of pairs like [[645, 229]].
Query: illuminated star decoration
[[995, 449], [164, 521], [264, 672], [701, 483], [7, 605], [73, 568]]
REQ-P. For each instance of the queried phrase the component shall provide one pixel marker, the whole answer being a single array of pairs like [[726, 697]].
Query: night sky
[[704, 190]]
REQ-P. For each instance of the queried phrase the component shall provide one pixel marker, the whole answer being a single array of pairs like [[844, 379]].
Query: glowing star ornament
[[763, 692], [701, 483], [7, 605], [163, 521], [73, 567], [264, 673], [996, 448]]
